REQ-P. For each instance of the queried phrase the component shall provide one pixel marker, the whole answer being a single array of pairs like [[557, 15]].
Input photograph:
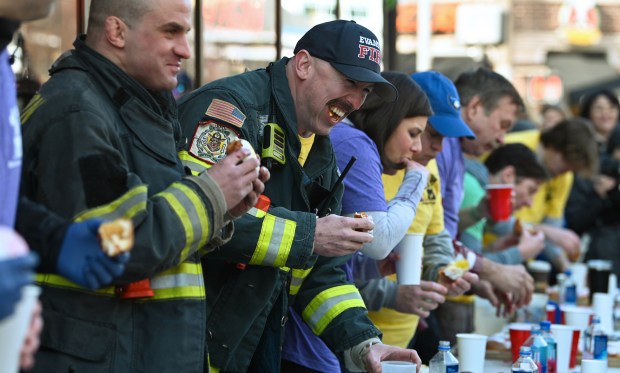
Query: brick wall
[[543, 16], [535, 16], [610, 22]]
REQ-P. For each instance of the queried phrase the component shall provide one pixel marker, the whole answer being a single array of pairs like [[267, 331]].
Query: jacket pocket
[[73, 345], [154, 133]]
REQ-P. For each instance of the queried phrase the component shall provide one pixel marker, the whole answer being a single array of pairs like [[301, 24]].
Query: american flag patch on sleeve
[[226, 111]]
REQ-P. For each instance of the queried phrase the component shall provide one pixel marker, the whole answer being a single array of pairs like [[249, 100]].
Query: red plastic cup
[[551, 312], [500, 201], [574, 348], [518, 334]]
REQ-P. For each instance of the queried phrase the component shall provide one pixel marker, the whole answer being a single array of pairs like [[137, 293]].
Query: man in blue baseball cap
[[456, 315], [446, 104], [289, 254]]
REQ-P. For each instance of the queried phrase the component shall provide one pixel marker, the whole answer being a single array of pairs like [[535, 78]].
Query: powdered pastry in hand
[[116, 236], [238, 144], [457, 268]]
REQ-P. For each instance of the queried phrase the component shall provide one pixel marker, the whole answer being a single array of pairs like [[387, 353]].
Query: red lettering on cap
[[363, 51], [375, 55]]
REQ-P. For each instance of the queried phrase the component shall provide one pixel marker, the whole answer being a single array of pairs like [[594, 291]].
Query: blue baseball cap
[[351, 49], [446, 104]]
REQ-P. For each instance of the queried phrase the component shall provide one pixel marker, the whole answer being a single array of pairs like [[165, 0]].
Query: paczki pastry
[[116, 236], [457, 268], [238, 144]]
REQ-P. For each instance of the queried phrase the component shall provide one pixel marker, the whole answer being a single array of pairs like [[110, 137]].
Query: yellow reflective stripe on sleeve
[[195, 165], [275, 241], [258, 213], [182, 281], [127, 205], [297, 279], [61, 282], [330, 303], [189, 208]]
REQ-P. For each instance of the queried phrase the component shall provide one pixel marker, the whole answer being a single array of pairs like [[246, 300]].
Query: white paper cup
[[564, 338], [471, 350], [612, 285], [485, 318], [602, 305], [409, 265], [398, 367], [579, 317], [593, 366], [579, 274], [14, 328]]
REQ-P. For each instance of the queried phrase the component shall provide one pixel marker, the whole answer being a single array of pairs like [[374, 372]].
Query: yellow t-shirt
[[550, 200], [398, 328], [306, 145]]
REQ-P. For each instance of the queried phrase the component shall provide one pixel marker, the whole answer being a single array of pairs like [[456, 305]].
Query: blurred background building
[[554, 51]]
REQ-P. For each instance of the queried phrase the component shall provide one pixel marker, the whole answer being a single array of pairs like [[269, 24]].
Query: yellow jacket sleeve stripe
[[182, 281], [126, 205], [274, 242], [330, 303], [186, 204], [198, 216], [258, 213], [196, 166], [297, 279]]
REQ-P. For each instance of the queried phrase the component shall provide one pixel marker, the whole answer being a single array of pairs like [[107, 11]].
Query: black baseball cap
[[351, 49]]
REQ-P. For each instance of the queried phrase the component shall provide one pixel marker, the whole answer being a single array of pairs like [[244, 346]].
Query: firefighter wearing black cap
[[292, 256]]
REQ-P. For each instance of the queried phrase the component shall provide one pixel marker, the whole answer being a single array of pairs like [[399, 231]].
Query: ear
[[508, 175], [471, 109], [115, 30], [303, 64]]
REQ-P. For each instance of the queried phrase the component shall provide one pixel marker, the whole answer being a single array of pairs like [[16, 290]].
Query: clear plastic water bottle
[[538, 347], [444, 361], [569, 289], [524, 363], [595, 341], [552, 349], [560, 278]]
